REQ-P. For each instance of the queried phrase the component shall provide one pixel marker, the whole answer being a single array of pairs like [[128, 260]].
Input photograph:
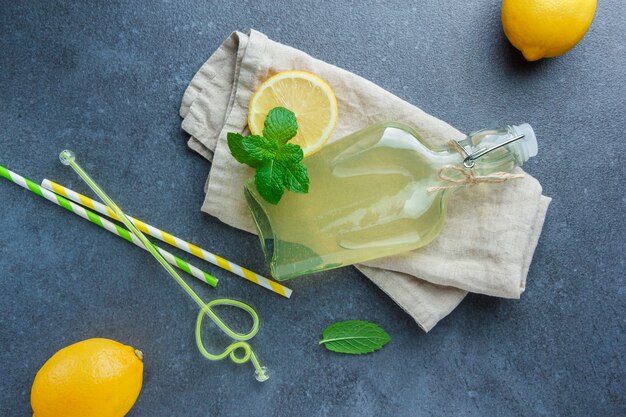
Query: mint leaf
[[354, 337], [269, 180], [289, 153], [280, 125], [235, 143], [297, 178], [278, 163], [260, 148]]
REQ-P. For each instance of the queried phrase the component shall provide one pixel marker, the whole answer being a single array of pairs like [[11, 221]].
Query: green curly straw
[[68, 158]]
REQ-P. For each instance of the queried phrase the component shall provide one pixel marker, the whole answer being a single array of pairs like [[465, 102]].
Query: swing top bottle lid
[[519, 139], [528, 144]]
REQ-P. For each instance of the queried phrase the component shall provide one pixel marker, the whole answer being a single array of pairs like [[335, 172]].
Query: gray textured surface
[[105, 78]]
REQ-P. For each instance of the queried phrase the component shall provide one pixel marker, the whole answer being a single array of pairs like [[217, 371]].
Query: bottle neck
[[501, 159]]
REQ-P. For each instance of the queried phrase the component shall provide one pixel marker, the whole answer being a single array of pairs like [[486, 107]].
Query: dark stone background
[[105, 78]]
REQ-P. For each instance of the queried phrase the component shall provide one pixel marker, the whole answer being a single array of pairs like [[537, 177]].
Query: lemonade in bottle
[[378, 192]]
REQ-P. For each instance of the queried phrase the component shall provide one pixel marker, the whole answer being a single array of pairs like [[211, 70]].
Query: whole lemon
[[546, 28], [92, 378]]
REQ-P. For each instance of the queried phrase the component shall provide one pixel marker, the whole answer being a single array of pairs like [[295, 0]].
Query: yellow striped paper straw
[[171, 240]]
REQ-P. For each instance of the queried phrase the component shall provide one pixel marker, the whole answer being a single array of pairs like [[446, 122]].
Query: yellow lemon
[[92, 378], [546, 28], [305, 94]]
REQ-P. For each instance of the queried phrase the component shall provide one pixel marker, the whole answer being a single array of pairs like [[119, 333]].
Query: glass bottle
[[377, 192]]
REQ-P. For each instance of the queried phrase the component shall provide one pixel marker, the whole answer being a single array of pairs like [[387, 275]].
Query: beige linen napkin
[[491, 230]]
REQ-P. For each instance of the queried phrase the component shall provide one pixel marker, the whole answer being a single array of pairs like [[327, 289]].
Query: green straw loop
[[248, 354], [68, 158]]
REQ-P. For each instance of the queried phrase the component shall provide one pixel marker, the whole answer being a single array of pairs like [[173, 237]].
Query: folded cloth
[[491, 230]]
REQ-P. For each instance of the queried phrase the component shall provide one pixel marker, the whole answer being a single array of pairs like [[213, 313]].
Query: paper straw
[[170, 239], [104, 223]]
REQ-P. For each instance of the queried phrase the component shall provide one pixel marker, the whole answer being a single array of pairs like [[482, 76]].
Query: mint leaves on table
[[278, 163], [354, 337]]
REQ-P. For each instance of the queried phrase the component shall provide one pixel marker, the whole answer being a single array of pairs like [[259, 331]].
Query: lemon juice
[[377, 192]]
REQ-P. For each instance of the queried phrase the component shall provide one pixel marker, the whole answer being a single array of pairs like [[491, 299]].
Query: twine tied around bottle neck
[[467, 177]]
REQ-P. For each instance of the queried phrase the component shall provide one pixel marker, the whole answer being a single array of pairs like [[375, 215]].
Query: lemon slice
[[305, 94]]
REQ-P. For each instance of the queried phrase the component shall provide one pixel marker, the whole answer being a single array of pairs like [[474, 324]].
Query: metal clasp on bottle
[[471, 157]]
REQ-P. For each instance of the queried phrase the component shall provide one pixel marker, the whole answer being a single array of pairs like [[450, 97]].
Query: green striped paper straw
[[104, 223]]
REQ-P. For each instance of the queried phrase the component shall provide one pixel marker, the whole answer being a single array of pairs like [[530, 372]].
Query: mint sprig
[[278, 163]]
